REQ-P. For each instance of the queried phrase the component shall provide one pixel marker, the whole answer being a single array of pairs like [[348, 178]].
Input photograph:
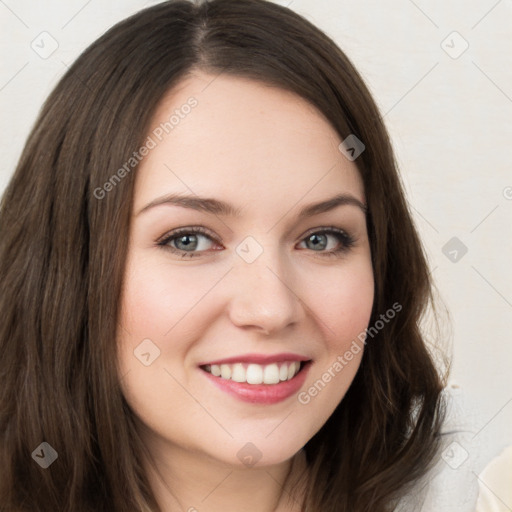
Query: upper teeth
[[255, 373]]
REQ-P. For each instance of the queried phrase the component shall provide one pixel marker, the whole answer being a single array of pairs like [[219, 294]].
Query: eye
[[318, 241], [191, 242], [186, 241]]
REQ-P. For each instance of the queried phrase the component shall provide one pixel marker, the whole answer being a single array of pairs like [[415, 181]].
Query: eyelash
[[347, 241]]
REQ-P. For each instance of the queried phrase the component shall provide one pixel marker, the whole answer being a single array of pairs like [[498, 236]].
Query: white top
[[452, 484]]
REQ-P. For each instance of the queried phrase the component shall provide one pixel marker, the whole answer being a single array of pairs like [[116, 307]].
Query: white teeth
[[225, 371], [238, 373], [255, 373], [283, 372], [291, 369], [271, 374]]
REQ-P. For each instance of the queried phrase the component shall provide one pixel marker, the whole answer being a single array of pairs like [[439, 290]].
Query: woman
[[171, 340]]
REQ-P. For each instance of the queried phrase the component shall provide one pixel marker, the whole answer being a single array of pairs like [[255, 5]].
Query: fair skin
[[269, 154]]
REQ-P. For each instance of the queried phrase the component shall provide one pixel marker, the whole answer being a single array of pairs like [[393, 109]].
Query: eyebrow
[[221, 208]]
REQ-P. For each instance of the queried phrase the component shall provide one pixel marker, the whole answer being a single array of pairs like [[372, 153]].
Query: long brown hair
[[62, 258]]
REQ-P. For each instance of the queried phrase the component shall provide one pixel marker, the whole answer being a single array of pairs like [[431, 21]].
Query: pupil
[[186, 243], [315, 243]]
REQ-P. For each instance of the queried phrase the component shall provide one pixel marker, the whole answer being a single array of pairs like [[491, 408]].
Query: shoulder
[[452, 483]]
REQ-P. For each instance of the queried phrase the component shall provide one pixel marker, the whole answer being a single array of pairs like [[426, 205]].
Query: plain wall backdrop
[[441, 73]]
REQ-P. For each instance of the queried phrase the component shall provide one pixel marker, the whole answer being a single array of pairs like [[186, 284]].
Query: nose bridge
[[264, 294]]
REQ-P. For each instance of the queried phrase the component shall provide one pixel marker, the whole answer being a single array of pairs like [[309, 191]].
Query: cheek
[[165, 305], [157, 305], [344, 311], [150, 308], [346, 304], [155, 299]]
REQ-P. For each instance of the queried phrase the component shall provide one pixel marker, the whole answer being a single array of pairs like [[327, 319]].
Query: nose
[[265, 296]]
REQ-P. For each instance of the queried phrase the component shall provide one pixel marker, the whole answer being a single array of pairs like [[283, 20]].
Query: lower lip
[[261, 393]]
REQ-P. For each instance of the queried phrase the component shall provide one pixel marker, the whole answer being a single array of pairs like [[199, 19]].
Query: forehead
[[243, 140]]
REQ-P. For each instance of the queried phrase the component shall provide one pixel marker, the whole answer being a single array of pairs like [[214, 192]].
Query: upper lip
[[259, 359]]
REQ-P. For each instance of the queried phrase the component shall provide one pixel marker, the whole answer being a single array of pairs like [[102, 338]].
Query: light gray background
[[449, 114]]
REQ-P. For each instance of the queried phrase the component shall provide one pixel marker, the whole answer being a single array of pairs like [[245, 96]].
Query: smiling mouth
[[252, 373]]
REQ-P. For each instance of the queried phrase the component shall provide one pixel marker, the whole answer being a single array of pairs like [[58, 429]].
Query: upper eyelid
[[200, 230], [322, 229]]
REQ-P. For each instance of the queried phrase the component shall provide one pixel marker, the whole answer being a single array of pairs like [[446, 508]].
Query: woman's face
[[269, 287]]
